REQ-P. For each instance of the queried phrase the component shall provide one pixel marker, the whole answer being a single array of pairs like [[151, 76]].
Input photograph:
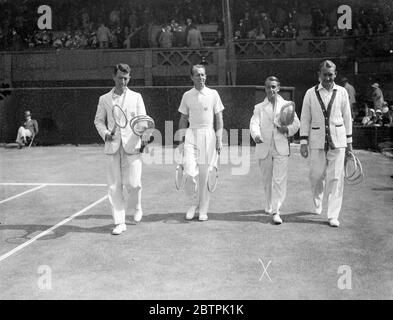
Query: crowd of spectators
[[102, 23], [376, 118], [259, 20], [128, 24]]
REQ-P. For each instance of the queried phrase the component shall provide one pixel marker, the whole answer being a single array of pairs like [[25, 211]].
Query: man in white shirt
[[124, 163], [199, 106], [326, 133], [272, 147]]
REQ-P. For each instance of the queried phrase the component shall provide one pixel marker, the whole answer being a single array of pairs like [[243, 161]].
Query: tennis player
[[122, 148], [199, 107], [326, 133], [272, 147]]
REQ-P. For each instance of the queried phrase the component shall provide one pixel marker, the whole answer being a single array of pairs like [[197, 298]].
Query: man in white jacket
[[326, 133], [122, 149], [272, 147]]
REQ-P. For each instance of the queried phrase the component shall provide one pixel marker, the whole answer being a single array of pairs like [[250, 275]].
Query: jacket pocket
[[339, 125], [315, 128]]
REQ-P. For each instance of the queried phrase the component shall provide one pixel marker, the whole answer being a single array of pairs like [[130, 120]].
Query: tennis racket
[[180, 177], [353, 169], [143, 127], [120, 118], [212, 173]]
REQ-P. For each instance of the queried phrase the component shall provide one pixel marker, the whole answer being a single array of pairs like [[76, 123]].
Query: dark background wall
[[66, 115]]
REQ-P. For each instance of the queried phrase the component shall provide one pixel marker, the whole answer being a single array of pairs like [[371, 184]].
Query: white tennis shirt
[[201, 106]]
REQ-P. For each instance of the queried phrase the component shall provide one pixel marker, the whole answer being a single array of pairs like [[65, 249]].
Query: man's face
[[198, 78], [121, 79], [327, 76], [271, 89]]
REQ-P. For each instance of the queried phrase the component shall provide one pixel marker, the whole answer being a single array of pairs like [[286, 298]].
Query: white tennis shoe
[[119, 229], [334, 223], [277, 219], [191, 212], [138, 215]]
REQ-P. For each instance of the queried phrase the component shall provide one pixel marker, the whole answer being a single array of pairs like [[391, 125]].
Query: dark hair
[[122, 67], [197, 66], [272, 78]]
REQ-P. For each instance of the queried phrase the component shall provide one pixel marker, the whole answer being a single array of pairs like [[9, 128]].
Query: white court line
[[53, 184], [21, 194], [44, 233]]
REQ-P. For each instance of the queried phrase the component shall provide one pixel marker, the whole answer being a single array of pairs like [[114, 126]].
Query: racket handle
[[113, 130]]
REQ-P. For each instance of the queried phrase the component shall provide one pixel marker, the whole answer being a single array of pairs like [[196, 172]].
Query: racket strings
[[212, 174], [180, 176], [353, 169]]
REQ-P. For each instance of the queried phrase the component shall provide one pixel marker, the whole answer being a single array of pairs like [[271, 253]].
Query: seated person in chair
[[27, 131]]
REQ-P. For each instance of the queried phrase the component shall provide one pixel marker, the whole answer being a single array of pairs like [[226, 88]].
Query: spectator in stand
[[267, 24], [166, 37], [386, 118], [194, 38], [352, 95], [378, 118], [377, 97], [324, 30], [114, 17], [248, 25], [219, 41], [390, 114], [188, 26], [179, 33], [260, 34], [103, 36]]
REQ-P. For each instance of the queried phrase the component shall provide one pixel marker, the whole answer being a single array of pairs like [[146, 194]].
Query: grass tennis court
[[52, 203]]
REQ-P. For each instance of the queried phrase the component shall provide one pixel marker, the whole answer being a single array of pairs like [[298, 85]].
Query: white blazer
[[104, 122], [262, 125], [312, 120]]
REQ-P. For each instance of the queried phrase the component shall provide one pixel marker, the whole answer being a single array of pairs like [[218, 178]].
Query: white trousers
[[22, 134], [274, 170], [124, 174], [199, 148], [327, 176]]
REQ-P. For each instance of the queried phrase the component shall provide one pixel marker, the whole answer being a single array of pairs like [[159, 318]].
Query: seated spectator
[[386, 118], [390, 114], [369, 119], [378, 118], [28, 129], [260, 34], [194, 38], [219, 41]]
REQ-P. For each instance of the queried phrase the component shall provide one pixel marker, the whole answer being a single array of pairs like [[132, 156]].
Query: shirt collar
[[203, 91], [320, 87]]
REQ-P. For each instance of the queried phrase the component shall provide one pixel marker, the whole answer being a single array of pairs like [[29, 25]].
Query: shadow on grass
[[32, 230]]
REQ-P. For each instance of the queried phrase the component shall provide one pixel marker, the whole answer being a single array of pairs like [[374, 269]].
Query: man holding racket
[[115, 111], [326, 134], [272, 147], [199, 107]]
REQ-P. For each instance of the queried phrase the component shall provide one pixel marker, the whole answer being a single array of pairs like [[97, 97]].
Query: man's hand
[[304, 150], [258, 139], [180, 147], [108, 137], [283, 129], [348, 148], [218, 145]]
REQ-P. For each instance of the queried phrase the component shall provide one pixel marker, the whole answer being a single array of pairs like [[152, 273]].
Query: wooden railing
[[361, 46]]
